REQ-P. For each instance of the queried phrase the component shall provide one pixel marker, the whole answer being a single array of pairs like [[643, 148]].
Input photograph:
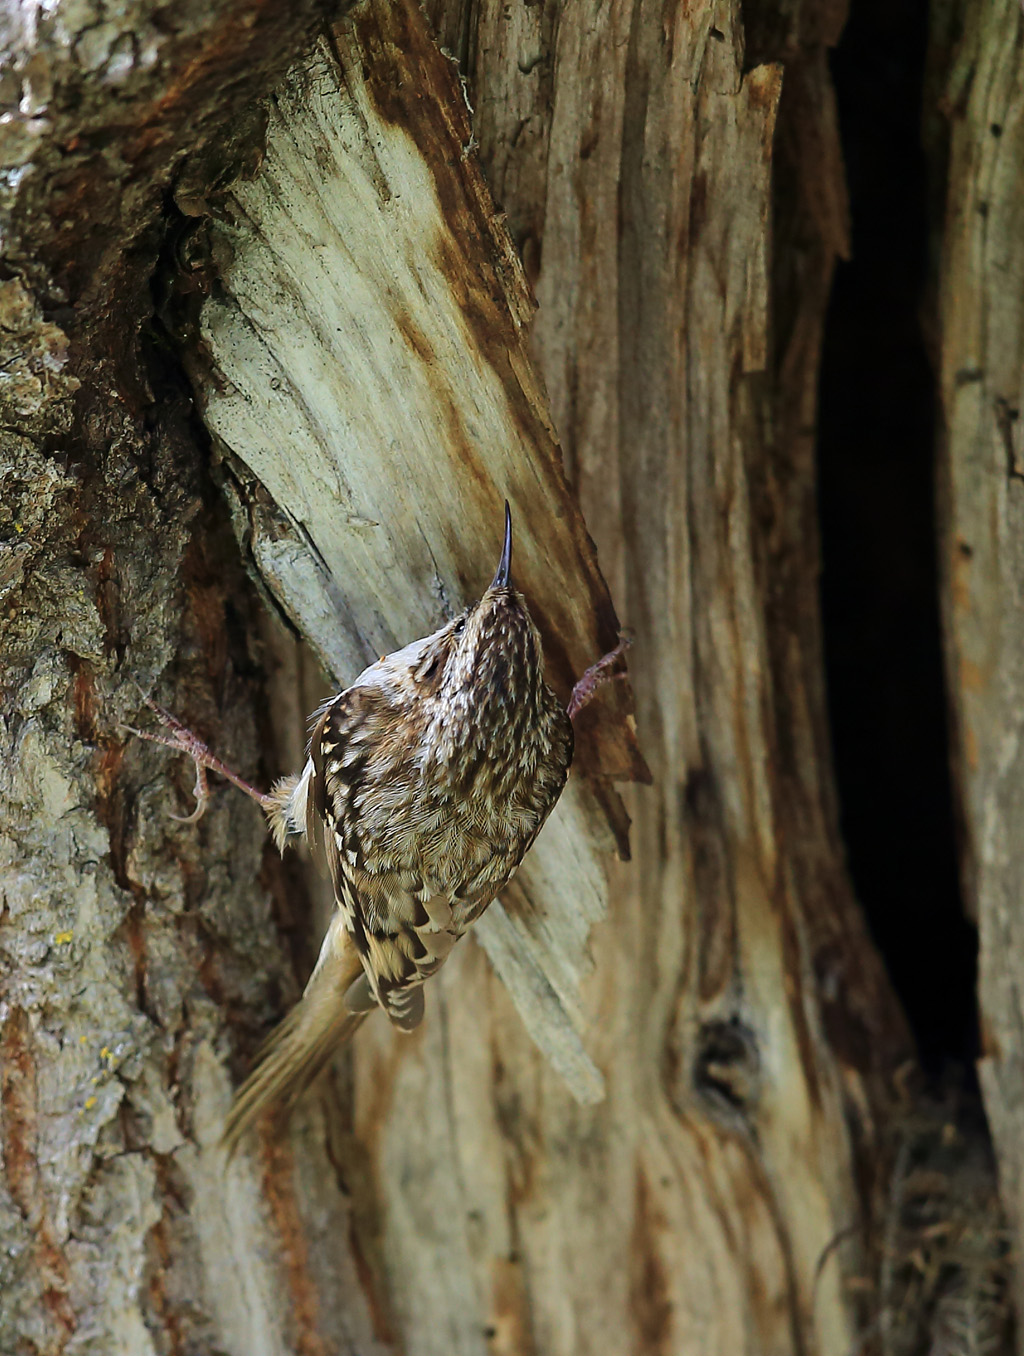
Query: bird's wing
[[363, 793]]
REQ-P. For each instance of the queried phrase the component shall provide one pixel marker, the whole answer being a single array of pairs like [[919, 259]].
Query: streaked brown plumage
[[426, 783]]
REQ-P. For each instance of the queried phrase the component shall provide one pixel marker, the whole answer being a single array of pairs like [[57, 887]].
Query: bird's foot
[[182, 740], [597, 675]]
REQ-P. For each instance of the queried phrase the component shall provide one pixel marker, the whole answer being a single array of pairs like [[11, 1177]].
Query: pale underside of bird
[[427, 780]]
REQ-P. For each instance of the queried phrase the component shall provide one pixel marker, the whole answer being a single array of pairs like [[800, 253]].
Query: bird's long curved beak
[[504, 570]]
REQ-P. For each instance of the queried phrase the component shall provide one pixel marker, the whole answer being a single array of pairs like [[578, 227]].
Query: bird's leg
[[181, 739], [596, 675]]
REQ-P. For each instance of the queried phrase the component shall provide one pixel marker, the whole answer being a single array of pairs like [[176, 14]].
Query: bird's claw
[[597, 675], [181, 739], [201, 791]]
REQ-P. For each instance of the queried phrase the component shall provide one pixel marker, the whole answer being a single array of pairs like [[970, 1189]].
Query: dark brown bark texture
[[286, 308]]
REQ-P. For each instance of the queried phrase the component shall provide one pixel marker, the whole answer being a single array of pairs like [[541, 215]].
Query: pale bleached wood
[[738, 1021], [342, 282], [360, 263]]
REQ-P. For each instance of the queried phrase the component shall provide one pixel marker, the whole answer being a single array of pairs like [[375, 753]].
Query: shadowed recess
[[887, 701]]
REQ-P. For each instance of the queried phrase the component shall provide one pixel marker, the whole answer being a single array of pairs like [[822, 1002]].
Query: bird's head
[[488, 659]]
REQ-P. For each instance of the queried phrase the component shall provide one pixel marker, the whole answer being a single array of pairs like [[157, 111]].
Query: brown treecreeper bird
[[426, 783]]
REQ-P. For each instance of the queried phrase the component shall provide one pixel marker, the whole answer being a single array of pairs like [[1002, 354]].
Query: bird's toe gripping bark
[[597, 675], [182, 740]]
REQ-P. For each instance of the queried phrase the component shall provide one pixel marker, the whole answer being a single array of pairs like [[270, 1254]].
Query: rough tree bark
[[269, 368]]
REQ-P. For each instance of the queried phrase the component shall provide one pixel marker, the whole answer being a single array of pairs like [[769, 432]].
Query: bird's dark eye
[[460, 626]]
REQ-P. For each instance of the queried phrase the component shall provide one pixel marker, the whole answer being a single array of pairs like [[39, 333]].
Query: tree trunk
[[978, 148], [271, 362]]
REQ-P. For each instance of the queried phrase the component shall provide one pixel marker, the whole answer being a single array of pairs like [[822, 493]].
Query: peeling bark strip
[[364, 260], [981, 331], [364, 356]]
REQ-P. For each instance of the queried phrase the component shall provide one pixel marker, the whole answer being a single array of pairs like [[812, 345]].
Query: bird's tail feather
[[296, 1051]]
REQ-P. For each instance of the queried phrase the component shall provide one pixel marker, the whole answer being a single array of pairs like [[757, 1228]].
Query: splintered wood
[[369, 383], [364, 366]]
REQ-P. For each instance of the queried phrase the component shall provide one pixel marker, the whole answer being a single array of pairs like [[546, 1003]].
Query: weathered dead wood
[[736, 1009], [365, 260], [688, 420], [981, 362]]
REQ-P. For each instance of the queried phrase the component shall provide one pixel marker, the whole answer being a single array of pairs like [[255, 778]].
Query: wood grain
[[366, 259], [981, 361], [369, 305]]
